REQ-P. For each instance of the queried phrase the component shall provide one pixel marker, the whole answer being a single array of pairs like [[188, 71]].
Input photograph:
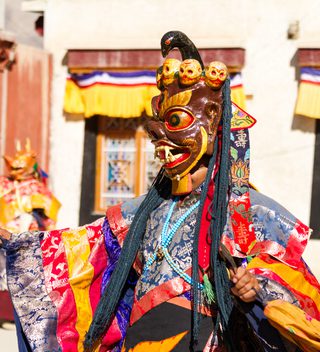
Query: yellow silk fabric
[[308, 101], [292, 277], [81, 272], [294, 324], [25, 204], [238, 97]]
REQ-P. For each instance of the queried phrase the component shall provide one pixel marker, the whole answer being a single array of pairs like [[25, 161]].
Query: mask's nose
[[155, 130]]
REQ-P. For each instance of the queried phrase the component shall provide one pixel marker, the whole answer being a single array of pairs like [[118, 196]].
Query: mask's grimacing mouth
[[170, 156]]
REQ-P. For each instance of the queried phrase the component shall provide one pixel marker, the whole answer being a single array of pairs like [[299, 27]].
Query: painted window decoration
[[117, 172], [125, 164]]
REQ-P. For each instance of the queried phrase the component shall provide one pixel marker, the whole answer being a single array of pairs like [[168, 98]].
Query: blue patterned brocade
[[26, 283]]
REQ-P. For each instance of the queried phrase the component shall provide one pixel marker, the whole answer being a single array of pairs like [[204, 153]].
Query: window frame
[[95, 131]]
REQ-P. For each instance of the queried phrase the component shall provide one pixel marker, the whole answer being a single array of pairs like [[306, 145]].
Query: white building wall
[[282, 146]]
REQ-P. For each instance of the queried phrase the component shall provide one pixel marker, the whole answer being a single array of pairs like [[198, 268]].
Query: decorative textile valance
[[121, 94], [237, 91], [308, 100]]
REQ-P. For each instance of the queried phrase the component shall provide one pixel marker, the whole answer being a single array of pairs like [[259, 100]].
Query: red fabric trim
[[244, 234], [296, 244], [241, 128], [117, 223], [204, 245], [59, 290], [310, 82], [302, 268], [306, 302], [120, 229], [290, 255], [158, 295], [6, 307], [248, 244], [111, 84]]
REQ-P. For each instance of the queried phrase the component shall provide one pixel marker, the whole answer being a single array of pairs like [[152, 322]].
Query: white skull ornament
[[169, 69], [215, 74], [190, 72]]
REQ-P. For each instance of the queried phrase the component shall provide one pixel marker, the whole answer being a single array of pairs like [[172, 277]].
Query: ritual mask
[[183, 129], [22, 165]]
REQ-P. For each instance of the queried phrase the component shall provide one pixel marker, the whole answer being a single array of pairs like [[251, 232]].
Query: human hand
[[246, 286]]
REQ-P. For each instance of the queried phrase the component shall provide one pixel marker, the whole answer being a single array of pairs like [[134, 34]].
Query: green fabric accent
[[208, 290], [291, 331], [249, 258]]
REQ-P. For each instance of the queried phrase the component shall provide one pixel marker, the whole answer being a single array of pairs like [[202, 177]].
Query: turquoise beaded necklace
[[166, 238]]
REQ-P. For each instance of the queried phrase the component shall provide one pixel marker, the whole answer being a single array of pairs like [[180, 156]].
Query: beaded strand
[[166, 239], [164, 229]]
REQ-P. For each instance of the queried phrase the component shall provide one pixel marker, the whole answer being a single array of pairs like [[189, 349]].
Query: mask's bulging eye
[[176, 120]]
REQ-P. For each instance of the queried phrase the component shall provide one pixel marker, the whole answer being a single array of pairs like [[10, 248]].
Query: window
[[124, 165]]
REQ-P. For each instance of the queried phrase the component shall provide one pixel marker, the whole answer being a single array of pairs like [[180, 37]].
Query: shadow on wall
[[309, 125], [300, 122], [303, 123]]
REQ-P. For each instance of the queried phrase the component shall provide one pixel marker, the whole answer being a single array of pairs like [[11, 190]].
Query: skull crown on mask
[[186, 116], [189, 72]]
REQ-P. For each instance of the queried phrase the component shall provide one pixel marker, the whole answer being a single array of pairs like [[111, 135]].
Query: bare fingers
[[246, 286]]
